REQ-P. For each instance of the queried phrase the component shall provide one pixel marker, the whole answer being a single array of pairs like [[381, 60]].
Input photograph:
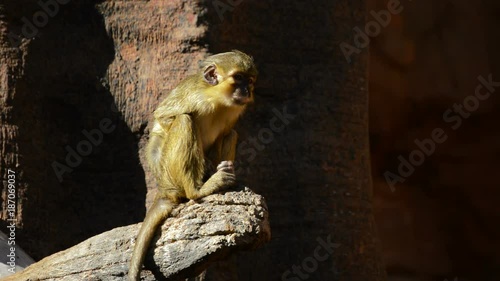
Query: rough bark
[[197, 234]]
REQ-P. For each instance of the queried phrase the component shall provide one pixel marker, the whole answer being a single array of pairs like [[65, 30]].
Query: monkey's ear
[[210, 75]]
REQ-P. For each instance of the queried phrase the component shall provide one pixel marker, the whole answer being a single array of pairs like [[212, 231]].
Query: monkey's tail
[[156, 215]]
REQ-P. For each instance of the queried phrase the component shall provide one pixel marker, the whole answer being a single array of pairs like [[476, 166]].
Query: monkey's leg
[[228, 149], [224, 151], [157, 214], [223, 178]]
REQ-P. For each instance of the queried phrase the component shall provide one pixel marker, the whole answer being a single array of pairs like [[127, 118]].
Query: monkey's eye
[[238, 78]]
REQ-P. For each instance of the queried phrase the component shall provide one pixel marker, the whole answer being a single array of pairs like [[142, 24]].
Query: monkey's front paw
[[226, 166], [222, 179], [226, 179]]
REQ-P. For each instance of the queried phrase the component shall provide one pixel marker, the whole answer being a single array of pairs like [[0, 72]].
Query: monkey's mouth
[[241, 97], [241, 100]]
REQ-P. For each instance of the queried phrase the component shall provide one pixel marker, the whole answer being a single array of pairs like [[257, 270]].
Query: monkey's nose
[[246, 92]]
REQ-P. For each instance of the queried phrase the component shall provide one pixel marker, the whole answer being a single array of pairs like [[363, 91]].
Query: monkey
[[192, 132]]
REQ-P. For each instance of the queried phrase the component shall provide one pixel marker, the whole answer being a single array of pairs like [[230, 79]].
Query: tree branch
[[196, 234]]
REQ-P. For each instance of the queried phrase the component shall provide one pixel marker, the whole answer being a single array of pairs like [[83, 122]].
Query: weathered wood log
[[196, 234]]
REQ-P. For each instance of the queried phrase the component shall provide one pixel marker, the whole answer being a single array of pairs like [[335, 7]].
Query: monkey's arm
[[222, 155]]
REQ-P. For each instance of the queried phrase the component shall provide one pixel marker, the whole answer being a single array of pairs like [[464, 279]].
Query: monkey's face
[[234, 88], [242, 86]]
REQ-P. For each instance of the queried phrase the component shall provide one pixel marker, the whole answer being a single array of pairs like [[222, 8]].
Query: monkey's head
[[230, 77]]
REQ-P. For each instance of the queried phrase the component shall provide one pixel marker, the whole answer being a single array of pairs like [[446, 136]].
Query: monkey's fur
[[192, 133]]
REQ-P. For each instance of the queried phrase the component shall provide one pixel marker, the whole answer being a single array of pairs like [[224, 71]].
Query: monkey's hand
[[226, 166], [223, 178]]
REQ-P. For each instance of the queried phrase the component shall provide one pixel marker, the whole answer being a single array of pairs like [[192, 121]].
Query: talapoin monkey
[[192, 132]]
